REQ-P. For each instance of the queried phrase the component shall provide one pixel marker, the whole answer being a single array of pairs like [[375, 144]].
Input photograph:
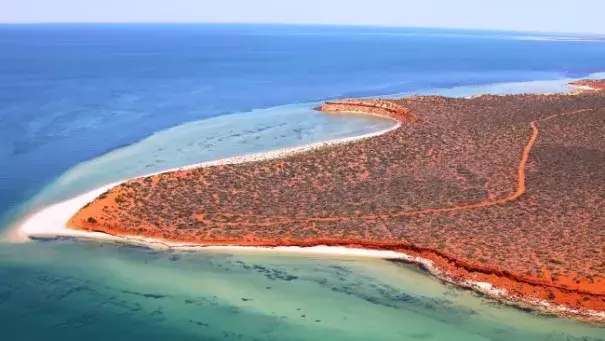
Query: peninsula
[[508, 191], [589, 84]]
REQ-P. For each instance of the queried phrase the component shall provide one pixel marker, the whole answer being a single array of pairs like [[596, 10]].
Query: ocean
[[86, 105]]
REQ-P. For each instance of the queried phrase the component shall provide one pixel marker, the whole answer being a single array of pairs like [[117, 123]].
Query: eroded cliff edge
[[589, 84]]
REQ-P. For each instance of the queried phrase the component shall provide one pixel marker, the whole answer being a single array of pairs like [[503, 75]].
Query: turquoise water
[[211, 139], [83, 106], [98, 291]]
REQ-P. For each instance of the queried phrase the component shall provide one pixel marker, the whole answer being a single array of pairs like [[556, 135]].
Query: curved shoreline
[[61, 213], [350, 251], [56, 213]]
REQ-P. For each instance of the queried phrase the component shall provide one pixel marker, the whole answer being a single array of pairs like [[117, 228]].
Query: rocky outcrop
[[589, 84], [382, 107]]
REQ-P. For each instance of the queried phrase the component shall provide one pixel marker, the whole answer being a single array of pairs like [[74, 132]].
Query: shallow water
[[217, 138], [65, 289], [100, 291]]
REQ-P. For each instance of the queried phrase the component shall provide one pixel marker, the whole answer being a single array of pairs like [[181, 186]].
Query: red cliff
[[380, 107]]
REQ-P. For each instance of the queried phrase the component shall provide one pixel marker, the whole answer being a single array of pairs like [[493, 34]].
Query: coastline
[[588, 85], [26, 228], [581, 88], [59, 214]]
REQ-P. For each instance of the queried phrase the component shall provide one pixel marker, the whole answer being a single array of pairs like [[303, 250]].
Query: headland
[[589, 84], [502, 194]]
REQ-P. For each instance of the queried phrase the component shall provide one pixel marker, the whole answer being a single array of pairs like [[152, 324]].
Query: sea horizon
[[302, 25]]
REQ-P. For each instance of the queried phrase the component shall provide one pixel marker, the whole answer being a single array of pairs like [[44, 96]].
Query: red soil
[[376, 106], [508, 190], [595, 84]]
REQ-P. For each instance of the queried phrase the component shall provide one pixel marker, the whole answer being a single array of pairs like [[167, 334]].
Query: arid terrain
[[508, 190]]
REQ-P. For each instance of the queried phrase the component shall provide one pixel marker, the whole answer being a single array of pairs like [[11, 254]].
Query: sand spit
[[51, 222]]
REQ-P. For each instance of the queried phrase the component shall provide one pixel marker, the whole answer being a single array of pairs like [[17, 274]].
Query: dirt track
[[521, 189]]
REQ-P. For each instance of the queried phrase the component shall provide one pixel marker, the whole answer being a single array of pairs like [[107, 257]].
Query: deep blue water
[[70, 95]]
